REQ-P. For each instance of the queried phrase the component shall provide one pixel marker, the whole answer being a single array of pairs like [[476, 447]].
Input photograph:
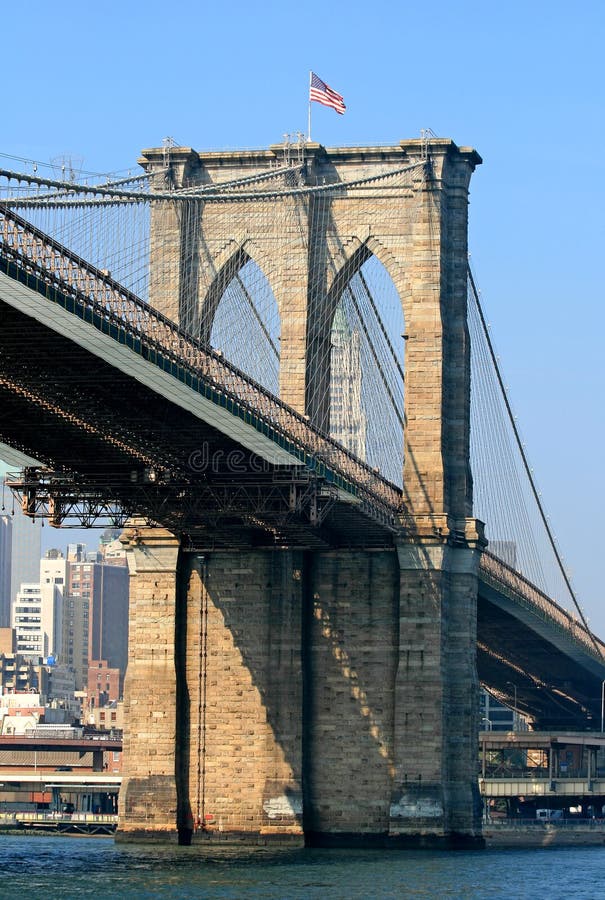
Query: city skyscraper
[[37, 613], [22, 564], [53, 568], [6, 543], [347, 417], [96, 612]]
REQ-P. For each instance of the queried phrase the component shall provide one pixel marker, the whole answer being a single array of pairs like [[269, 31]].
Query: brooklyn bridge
[[272, 368]]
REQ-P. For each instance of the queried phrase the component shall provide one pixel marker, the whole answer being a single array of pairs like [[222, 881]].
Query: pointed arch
[[365, 362], [222, 279], [239, 316], [349, 263]]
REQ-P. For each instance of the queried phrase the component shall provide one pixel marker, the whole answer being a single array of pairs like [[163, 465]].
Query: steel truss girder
[[92, 500]]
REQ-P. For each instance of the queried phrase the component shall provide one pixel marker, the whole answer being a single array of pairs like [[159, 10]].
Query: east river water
[[49, 868]]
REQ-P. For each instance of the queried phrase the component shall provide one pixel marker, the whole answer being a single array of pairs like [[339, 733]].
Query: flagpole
[[309, 126]]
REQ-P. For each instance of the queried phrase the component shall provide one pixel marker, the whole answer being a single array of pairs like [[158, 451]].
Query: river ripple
[[54, 868]]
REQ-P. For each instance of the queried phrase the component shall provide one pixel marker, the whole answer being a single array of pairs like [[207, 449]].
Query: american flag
[[320, 92]]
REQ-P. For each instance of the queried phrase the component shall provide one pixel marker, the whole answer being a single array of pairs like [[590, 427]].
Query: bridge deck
[[131, 413]]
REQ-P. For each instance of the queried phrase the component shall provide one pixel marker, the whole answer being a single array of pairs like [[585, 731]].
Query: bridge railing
[[502, 576], [162, 341], [514, 824]]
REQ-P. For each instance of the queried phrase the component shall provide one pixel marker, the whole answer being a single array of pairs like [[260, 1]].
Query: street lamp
[[602, 704], [515, 712], [489, 724]]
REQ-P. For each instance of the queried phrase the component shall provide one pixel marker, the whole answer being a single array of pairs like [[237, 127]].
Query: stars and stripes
[[322, 93]]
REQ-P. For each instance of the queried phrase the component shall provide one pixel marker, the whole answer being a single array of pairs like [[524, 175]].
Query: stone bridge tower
[[329, 696]]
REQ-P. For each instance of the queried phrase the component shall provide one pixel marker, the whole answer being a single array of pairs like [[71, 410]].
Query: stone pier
[[300, 694], [327, 698], [148, 796]]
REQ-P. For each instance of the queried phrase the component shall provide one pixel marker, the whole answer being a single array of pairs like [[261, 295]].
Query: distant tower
[[22, 564], [347, 417], [52, 589], [6, 543], [37, 613], [27, 622]]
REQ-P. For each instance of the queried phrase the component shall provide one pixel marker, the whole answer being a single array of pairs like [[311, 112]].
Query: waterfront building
[[96, 614], [19, 674], [7, 640], [52, 588], [76, 625], [20, 712], [37, 613], [61, 683], [27, 622], [110, 717], [112, 550]]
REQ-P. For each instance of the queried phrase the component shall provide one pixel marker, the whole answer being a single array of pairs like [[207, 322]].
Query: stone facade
[[351, 661], [243, 684], [324, 695], [327, 693], [148, 797]]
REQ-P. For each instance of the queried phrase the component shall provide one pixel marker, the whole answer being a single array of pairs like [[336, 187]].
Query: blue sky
[[521, 82]]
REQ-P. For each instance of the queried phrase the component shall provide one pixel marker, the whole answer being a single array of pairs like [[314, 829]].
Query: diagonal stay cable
[[381, 324], [526, 466], [256, 314], [372, 349]]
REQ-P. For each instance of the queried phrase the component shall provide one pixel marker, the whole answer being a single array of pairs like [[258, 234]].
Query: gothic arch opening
[[243, 322], [367, 369]]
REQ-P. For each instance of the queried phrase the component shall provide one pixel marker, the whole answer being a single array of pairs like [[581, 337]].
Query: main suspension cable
[[526, 466]]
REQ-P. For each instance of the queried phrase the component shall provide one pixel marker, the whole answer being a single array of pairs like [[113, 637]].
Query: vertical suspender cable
[[525, 462]]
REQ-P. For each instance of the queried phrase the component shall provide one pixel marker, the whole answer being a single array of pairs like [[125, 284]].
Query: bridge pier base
[[329, 698], [350, 655], [214, 707], [148, 796], [243, 693], [435, 795]]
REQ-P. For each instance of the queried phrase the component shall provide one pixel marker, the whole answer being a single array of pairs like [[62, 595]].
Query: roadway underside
[[115, 440], [111, 438], [553, 685]]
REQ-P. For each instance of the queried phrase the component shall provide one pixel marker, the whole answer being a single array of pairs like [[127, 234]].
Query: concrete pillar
[[148, 796]]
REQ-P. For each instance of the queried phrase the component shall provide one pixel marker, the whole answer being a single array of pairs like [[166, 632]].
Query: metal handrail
[[492, 569]]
